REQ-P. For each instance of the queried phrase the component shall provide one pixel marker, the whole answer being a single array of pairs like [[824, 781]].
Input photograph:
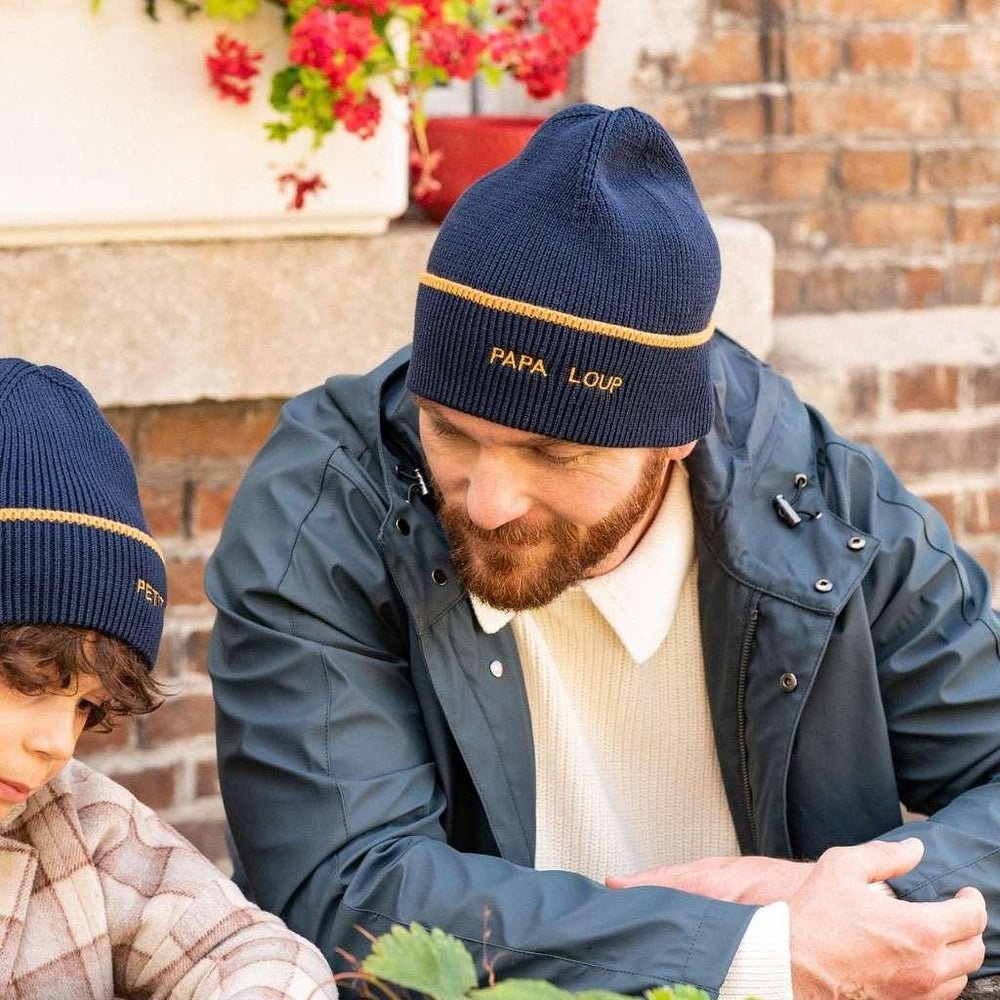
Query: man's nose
[[494, 496]]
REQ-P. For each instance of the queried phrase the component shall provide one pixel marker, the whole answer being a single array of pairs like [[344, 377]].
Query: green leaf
[[234, 10], [456, 11], [430, 962], [281, 84], [299, 8], [493, 74], [521, 989], [681, 992]]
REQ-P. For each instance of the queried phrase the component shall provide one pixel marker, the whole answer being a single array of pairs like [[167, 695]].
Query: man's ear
[[681, 451]]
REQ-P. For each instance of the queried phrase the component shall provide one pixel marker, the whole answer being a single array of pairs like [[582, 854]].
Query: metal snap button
[[788, 682], [823, 586], [440, 577], [856, 543], [496, 668], [402, 525]]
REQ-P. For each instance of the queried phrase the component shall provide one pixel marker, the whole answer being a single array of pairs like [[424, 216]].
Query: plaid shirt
[[101, 899]]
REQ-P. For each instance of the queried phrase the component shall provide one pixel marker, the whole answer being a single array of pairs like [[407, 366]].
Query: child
[[99, 899]]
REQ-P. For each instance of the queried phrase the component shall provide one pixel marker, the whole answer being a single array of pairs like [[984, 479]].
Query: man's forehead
[[486, 430]]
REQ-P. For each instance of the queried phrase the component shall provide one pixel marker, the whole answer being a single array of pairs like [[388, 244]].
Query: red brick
[[868, 171], [864, 11], [178, 718], [729, 57], [787, 291], [817, 229], [864, 391], [777, 176], [910, 224], [674, 112], [834, 289], [930, 387], [947, 506], [164, 508], [122, 737], [978, 224], [864, 111], [890, 52], [958, 170], [811, 54], [196, 652], [948, 53], [967, 280], [185, 582], [200, 431], [979, 112], [798, 175], [925, 452], [923, 287], [155, 786], [982, 511], [208, 836], [748, 118], [211, 504], [206, 779], [986, 386], [122, 420], [982, 10]]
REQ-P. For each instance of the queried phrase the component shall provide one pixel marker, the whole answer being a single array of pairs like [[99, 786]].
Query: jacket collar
[[638, 598], [760, 441]]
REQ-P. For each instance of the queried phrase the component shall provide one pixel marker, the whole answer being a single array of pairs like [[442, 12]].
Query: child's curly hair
[[35, 659]]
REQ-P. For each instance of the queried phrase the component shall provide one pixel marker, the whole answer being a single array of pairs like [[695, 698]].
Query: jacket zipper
[[741, 716]]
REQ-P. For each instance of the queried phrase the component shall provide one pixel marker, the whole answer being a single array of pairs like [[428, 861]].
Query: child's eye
[[92, 711]]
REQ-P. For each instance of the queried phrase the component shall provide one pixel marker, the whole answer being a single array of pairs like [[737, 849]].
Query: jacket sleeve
[[329, 781], [178, 927], [937, 645]]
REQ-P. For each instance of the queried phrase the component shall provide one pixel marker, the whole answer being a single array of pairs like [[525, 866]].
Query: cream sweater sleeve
[[762, 965]]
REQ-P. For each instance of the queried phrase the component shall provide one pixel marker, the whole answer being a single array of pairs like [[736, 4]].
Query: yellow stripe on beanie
[[546, 315], [86, 520]]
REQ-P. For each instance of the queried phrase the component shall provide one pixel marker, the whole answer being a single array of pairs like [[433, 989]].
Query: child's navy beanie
[[570, 293], [75, 548]]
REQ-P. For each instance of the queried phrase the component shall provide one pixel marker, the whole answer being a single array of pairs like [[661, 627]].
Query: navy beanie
[[74, 545], [570, 292]]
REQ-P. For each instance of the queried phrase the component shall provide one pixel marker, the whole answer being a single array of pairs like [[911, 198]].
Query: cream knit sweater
[[627, 774]]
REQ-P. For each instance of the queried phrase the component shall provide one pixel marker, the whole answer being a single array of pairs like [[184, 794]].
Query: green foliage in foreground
[[439, 966]]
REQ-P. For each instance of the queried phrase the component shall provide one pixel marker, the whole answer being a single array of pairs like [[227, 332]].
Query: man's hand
[[848, 941], [753, 880]]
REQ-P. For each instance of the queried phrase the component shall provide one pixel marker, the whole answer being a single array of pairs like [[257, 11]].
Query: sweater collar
[[638, 598]]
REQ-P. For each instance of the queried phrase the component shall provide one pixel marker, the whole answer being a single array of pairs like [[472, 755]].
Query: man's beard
[[501, 567]]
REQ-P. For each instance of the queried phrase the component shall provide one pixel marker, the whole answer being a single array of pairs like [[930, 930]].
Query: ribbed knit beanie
[[570, 292], [75, 548]]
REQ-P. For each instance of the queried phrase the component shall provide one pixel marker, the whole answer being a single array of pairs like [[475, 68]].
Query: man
[[701, 625], [98, 897]]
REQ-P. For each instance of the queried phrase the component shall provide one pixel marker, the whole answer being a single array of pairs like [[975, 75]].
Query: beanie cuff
[[572, 378]]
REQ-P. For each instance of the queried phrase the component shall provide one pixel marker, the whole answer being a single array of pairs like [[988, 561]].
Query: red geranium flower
[[303, 186], [361, 117], [229, 62], [334, 43], [542, 65], [571, 22], [454, 48]]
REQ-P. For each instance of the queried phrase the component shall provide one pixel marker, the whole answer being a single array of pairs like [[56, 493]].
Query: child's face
[[38, 733]]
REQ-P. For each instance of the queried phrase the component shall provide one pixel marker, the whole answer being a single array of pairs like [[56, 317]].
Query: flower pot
[[470, 148], [117, 134]]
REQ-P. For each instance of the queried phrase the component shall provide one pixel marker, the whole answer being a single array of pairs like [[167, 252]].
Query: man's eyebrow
[[535, 441]]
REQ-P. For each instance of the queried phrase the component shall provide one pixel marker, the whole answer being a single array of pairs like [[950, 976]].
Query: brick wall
[[865, 134], [944, 440]]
